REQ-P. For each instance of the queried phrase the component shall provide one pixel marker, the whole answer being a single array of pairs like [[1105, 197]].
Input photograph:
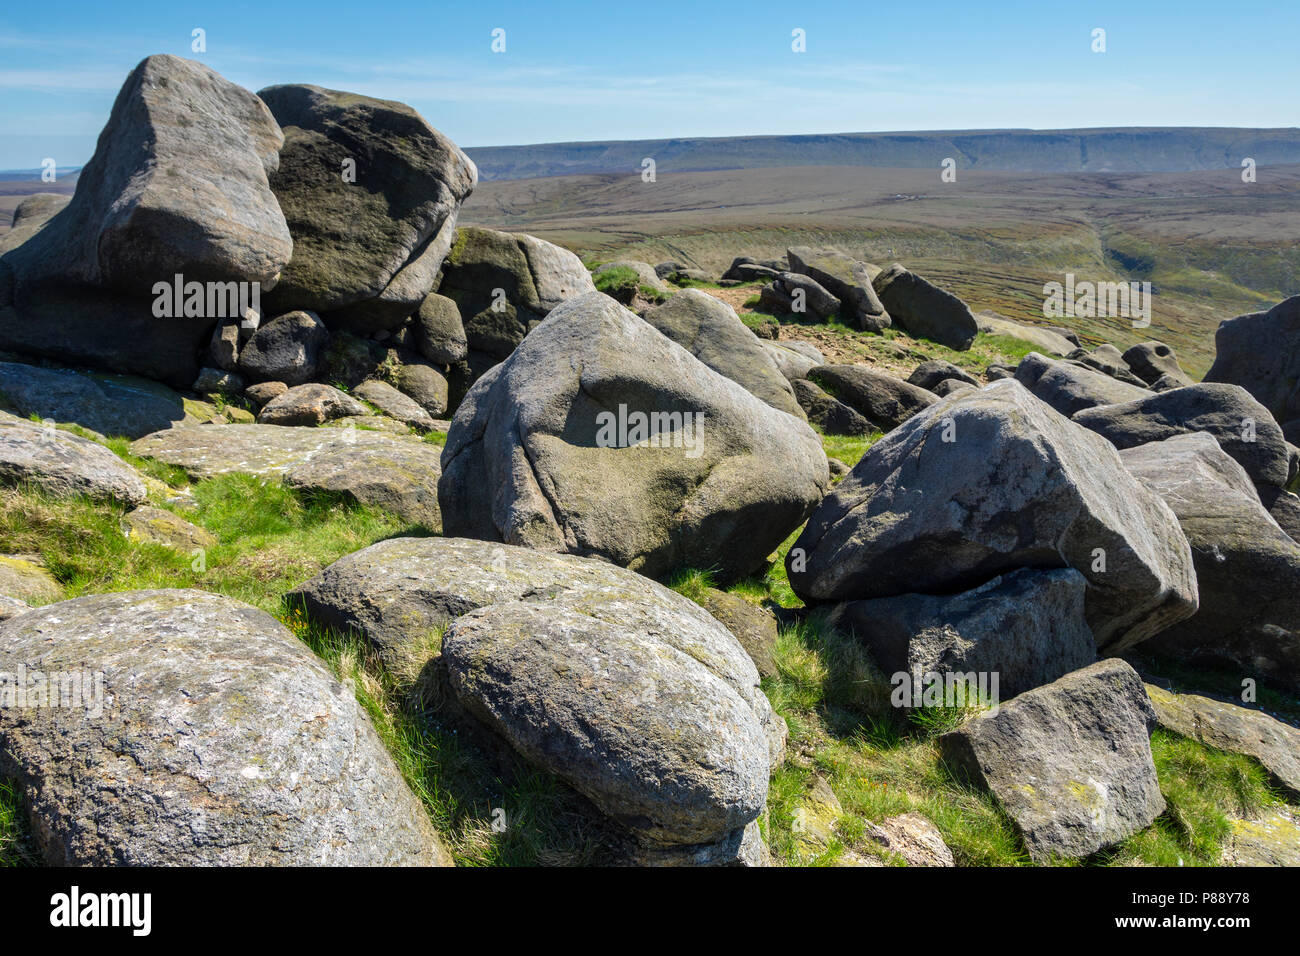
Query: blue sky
[[638, 69]]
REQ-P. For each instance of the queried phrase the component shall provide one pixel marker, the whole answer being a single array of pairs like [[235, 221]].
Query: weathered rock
[[159, 526], [393, 403], [12, 607], [1153, 361], [178, 184], [1046, 340], [951, 386], [223, 348], [986, 482], [366, 252], [1069, 762], [309, 405], [1071, 388], [108, 404], [1247, 568], [790, 362], [385, 471], [349, 360], [805, 295], [222, 741], [263, 392], [1283, 507], [487, 275], [753, 626], [64, 465], [1243, 427], [848, 280], [427, 386], [1108, 360], [644, 271], [879, 397], [1260, 352], [558, 274], [929, 374], [1273, 839], [27, 581], [213, 381], [913, 838], [286, 349], [1236, 729], [829, 414], [924, 310], [710, 330], [1027, 627], [439, 332], [556, 449]]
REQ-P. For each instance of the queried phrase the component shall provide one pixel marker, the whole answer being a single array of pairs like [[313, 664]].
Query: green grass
[[879, 764], [623, 282], [16, 848], [848, 448]]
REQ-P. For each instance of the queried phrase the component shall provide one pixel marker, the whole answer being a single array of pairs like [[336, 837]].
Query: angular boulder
[[107, 404], [65, 465], [1247, 568], [309, 404], [1154, 361], [439, 332], [1260, 352], [986, 482], [1027, 627], [924, 310], [207, 734], [366, 251], [828, 413], [1069, 762], [1070, 388], [879, 397], [601, 436], [848, 280]]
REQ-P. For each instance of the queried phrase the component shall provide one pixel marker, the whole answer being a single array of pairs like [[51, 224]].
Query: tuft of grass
[[848, 448], [16, 846]]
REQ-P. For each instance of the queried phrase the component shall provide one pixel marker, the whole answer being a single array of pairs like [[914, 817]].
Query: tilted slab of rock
[[160, 526], [215, 738], [1235, 729], [671, 665], [107, 404], [1027, 627], [790, 362], [30, 217], [983, 483], [65, 465], [848, 280], [710, 330], [1243, 427], [178, 184], [1069, 762], [366, 252], [392, 472], [393, 403], [1247, 568], [601, 436], [1071, 388], [882, 399], [828, 413], [924, 310], [1260, 352]]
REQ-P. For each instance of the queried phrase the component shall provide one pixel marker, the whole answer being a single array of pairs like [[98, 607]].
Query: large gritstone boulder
[[371, 192], [879, 397], [1247, 568], [710, 330], [176, 193], [202, 733], [1070, 762], [1070, 388], [988, 481], [924, 310], [630, 692], [65, 465], [601, 436]]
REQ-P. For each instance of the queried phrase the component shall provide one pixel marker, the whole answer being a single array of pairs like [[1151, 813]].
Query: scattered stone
[[1154, 361], [439, 332], [929, 375], [27, 581], [912, 837], [848, 280], [262, 392], [1069, 762], [393, 403], [223, 740], [213, 381], [286, 349], [427, 386], [159, 526], [309, 405], [829, 414], [753, 626]]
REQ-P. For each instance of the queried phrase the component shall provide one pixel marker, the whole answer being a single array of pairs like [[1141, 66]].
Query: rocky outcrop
[[879, 397], [1260, 352], [1070, 388], [65, 465], [924, 310], [848, 280]]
